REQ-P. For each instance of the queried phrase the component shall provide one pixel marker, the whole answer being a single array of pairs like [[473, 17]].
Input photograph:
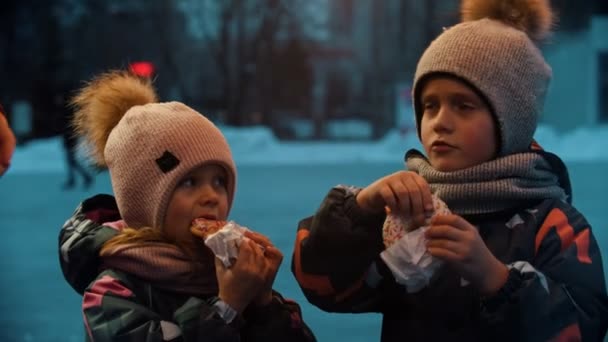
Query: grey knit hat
[[147, 146], [493, 50]]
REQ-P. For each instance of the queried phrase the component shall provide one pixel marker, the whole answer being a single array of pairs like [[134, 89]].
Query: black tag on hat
[[167, 162]]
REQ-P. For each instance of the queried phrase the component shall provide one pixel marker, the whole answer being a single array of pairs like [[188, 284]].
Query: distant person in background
[[75, 166], [50, 100], [7, 142], [509, 258], [143, 273]]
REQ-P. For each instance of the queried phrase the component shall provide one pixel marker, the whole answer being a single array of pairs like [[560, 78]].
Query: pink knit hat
[[147, 146]]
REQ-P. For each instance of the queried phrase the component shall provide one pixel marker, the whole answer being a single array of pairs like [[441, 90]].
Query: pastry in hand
[[222, 237], [395, 226], [203, 228]]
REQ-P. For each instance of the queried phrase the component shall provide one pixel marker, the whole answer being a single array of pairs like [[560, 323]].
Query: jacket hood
[[82, 237]]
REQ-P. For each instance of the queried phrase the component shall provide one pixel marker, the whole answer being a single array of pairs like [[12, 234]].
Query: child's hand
[[454, 240], [241, 283], [274, 257], [404, 192]]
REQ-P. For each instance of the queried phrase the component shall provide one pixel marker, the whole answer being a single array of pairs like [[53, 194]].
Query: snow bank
[[258, 145]]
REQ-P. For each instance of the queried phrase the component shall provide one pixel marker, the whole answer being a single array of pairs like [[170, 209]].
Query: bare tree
[[244, 38]]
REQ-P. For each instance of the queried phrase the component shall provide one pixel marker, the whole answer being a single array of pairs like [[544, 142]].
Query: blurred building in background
[[578, 54], [308, 69]]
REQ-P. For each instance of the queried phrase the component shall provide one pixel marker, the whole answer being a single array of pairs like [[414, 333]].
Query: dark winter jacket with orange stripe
[[555, 290], [121, 307]]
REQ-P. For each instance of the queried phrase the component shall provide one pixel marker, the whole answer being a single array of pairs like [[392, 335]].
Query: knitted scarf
[[492, 186], [164, 265]]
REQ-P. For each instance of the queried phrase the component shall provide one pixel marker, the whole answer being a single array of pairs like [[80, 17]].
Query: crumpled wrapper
[[225, 242], [405, 254]]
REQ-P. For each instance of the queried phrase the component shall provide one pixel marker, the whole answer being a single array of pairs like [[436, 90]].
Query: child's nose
[[207, 195], [443, 120]]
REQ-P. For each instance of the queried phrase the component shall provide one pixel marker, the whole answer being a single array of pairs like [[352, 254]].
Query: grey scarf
[[492, 186]]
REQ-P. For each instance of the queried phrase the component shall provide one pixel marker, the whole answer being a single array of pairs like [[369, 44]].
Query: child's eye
[[187, 182], [429, 105], [465, 106], [220, 181]]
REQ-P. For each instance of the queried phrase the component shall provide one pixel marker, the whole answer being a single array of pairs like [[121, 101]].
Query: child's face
[[457, 128], [202, 193]]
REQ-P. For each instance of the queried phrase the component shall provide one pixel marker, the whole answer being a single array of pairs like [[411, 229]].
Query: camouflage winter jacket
[[121, 307]]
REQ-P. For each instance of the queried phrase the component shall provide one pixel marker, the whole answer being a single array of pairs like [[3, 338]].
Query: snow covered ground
[[257, 146], [279, 183]]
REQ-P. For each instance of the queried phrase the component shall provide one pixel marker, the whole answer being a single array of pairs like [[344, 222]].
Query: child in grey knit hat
[[519, 262], [143, 274]]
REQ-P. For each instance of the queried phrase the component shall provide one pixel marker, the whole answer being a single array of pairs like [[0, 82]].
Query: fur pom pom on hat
[[494, 49], [147, 146]]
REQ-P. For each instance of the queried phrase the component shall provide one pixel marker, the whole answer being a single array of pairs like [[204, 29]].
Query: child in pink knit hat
[[169, 166], [517, 261]]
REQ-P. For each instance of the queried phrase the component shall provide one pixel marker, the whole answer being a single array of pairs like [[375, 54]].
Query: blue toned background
[[278, 184], [319, 91]]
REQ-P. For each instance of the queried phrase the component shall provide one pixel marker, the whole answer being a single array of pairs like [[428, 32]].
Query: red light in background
[[143, 69]]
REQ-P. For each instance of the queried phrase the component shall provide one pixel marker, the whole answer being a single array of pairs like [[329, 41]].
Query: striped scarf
[[493, 186]]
